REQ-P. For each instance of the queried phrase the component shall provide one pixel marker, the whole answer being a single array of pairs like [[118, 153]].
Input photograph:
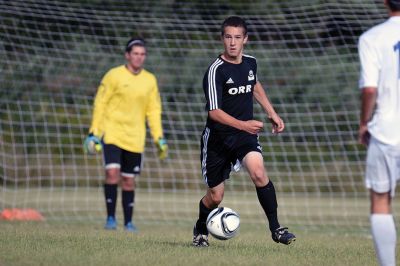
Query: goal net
[[54, 54]]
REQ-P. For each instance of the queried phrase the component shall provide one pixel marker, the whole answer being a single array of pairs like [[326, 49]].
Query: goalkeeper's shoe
[[130, 227], [111, 223], [199, 240], [282, 235]]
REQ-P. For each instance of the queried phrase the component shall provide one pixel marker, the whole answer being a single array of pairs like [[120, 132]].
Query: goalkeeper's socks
[[267, 198], [201, 226], [110, 194], [128, 199], [384, 234]]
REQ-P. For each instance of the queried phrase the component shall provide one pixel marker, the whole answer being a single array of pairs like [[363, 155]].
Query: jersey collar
[[220, 57]]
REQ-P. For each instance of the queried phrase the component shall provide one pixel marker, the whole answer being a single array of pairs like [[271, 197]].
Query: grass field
[[30, 243], [87, 203], [330, 231]]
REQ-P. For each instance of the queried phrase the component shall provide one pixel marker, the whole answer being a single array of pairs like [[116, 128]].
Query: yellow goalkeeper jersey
[[123, 103]]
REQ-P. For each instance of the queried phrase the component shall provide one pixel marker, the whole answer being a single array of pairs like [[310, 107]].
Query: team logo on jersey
[[251, 75], [136, 169], [230, 81]]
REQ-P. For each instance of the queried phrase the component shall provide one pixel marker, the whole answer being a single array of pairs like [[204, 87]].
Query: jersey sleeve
[[369, 63], [255, 69], [212, 85], [153, 113], [103, 95]]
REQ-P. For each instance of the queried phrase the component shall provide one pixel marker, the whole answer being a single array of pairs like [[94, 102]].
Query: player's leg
[[383, 228], [215, 168], [112, 155], [382, 172], [266, 194], [130, 169], [209, 202], [254, 163]]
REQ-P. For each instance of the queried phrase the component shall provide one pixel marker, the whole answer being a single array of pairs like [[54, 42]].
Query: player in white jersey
[[379, 52]]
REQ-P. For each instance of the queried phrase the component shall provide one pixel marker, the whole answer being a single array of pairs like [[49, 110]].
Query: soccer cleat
[[111, 223], [130, 227], [282, 235], [199, 240]]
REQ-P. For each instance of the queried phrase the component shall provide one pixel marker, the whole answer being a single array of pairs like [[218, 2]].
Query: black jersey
[[230, 87]]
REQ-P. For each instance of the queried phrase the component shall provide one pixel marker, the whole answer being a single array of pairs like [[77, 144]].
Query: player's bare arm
[[368, 100], [250, 126], [261, 97]]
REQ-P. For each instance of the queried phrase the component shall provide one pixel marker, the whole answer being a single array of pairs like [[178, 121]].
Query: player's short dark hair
[[394, 5], [134, 42], [234, 21]]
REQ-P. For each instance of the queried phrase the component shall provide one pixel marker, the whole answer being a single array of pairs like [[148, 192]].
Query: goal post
[[54, 54]]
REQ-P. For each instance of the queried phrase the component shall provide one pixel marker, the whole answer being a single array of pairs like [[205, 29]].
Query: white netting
[[54, 54]]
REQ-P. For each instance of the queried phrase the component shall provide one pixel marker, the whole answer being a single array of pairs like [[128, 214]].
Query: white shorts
[[382, 167]]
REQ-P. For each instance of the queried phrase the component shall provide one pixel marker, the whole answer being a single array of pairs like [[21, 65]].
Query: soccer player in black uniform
[[230, 136]]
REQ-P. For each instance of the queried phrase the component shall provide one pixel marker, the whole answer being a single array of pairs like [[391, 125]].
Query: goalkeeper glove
[[162, 148], [92, 144]]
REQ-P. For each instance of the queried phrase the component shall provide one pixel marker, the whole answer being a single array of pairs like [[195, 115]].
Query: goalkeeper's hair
[[394, 5], [134, 42], [234, 21]]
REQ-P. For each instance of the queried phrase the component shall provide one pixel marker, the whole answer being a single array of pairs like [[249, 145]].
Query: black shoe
[[282, 235], [199, 240]]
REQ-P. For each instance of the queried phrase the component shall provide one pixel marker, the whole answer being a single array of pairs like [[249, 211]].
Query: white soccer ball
[[223, 223]]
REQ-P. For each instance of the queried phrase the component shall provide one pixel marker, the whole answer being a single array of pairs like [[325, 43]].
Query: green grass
[[330, 231], [29, 243]]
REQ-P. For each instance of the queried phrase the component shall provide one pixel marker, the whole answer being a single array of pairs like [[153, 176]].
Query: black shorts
[[219, 153], [130, 163]]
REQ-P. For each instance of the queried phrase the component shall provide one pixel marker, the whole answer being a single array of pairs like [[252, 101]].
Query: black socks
[[110, 194], [128, 199], [267, 197], [201, 226]]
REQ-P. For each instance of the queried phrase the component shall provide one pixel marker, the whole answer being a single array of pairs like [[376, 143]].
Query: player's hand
[[252, 126], [162, 148], [363, 135], [277, 124], [92, 144]]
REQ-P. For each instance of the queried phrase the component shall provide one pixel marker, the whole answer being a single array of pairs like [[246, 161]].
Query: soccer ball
[[223, 223]]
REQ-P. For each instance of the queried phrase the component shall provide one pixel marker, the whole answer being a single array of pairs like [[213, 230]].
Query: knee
[[213, 199], [216, 198], [112, 176], [380, 203], [259, 178], [128, 183]]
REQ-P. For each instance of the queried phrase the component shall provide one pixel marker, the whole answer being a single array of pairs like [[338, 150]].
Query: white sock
[[384, 234]]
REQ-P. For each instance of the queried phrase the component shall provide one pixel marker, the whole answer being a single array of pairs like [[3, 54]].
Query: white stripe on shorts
[[206, 135], [129, 175], [113, 165]]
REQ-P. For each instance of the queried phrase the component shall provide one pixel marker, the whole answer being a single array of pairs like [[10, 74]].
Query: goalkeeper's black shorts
[[130, 163], [222, 153]]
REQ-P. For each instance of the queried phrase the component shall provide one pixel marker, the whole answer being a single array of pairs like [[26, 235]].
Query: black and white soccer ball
[[223, 223]]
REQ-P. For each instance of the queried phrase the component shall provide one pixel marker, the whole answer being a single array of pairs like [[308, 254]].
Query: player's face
[[136, 57], [234, 40]]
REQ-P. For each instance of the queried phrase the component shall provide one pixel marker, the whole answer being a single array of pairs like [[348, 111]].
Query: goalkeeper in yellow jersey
[[127, 97]]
